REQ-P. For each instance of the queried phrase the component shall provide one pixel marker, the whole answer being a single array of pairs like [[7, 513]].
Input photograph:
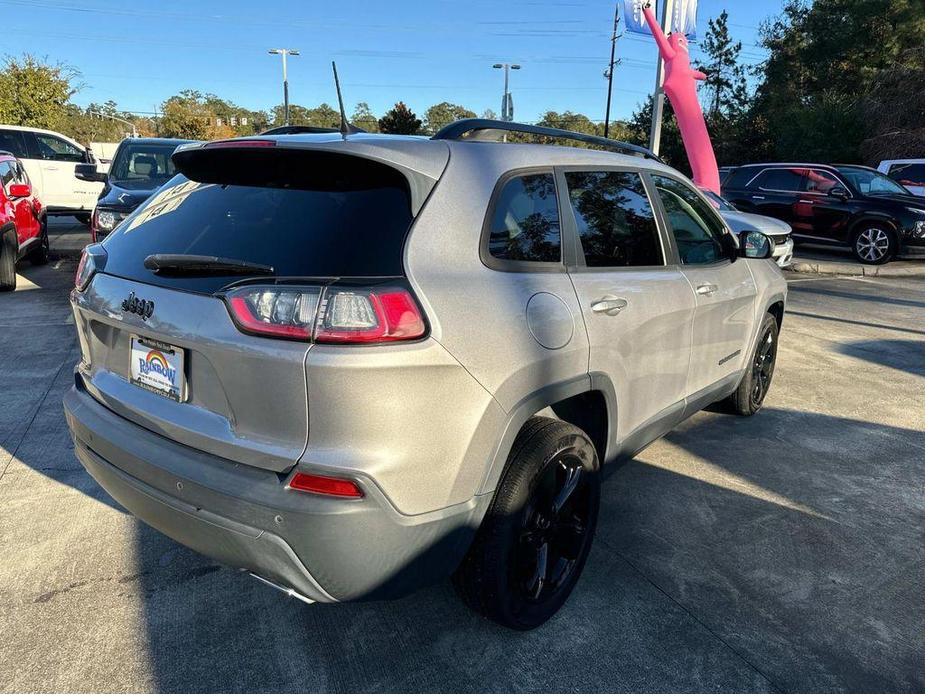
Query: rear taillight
[[319, 484], [92, 261], [332, 314]]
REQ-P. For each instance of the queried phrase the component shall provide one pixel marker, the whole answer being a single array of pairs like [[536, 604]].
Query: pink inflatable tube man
[[681, 87]]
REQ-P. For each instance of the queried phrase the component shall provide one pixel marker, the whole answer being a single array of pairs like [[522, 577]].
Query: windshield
[[872, 182], [718, 202], [142, 165]]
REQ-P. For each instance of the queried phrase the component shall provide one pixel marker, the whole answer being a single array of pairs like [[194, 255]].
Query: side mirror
[[20, 190], [88, 172], [754, 244], [839, 192]]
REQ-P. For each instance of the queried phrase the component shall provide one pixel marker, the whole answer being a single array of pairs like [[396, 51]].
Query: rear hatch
[[160, 347]]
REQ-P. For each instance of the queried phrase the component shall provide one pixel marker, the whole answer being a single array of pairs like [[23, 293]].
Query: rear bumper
[[324, 548]]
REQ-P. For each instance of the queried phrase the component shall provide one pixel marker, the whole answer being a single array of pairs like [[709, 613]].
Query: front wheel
[[8, 253], [874, 245], [756, 382], [535, 538]]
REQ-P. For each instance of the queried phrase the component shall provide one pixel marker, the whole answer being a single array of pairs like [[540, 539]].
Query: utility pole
[[507, 105], [613, 49], [285, 52], [658, 101]]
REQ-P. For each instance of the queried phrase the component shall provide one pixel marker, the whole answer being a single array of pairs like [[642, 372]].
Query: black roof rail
[[461, 128]]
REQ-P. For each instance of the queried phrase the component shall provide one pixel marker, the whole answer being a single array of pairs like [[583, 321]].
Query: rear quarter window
[[524, 221]]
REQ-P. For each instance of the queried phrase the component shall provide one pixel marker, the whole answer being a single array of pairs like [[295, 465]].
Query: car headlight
[[918, 229]]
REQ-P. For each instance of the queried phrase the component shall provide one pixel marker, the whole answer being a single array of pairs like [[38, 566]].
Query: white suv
[[50, 158]]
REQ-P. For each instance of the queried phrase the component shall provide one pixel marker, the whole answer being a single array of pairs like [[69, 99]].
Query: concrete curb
[[831, 267]]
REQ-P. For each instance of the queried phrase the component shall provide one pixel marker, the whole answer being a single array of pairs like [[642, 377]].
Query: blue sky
[[139, 53]]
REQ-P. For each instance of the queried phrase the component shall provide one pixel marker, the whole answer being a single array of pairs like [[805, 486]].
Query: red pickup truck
[[23, 225]]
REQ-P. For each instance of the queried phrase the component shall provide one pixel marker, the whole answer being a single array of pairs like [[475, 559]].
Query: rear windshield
[[346, 229]]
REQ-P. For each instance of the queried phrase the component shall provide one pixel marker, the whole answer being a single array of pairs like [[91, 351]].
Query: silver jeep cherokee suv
[[356, 365]]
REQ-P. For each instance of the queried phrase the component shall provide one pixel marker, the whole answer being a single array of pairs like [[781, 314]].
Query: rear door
[[776, 193], [16, 143], [725, 291], [637, 308], [240, 396]]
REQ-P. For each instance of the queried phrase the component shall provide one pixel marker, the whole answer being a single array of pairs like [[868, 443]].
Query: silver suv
[[356, 365]]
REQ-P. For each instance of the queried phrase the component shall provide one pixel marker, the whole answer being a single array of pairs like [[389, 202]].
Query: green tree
[[826, 59], [672, 148], [568, 120], [726, 83], [400, 120], [489, 114], [444, 113], [36, 93], [186, 115], [363, 118], [322, 116]]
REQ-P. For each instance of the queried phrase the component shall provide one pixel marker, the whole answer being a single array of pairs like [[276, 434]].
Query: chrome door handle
[[707, 289], [757, 197], [609, 305], [807, 202]]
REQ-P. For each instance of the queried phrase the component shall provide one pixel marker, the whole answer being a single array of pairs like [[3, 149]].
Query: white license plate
[[158, 367]]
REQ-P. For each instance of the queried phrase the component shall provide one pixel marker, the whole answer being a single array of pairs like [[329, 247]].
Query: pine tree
[[725, 81], [400, 120]]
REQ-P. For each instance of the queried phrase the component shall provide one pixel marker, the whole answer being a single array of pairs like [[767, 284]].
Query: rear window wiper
[[183, 264]]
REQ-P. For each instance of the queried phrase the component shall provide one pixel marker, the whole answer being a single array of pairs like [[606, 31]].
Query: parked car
[[139, 167], [909, 173], [775, 229], [50, 158], [353, 366], [23, 228], [853, 206]]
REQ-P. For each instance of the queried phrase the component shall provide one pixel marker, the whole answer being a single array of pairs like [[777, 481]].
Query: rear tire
[[533, 543], [749, 396], [8, 253], [40, 255], [874, 244]]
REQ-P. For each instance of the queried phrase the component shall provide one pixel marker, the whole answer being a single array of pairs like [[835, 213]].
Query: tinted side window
[[695, 226], [740, 178], [615, 220], [816, 181], [13, 142], [789, 180], [525, 221], [56, 149], [904, 174]]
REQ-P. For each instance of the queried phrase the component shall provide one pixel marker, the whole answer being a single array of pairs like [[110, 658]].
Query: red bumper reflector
[[319, 484]]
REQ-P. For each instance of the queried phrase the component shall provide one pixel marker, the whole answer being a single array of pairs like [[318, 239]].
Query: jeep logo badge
[[141, 307]]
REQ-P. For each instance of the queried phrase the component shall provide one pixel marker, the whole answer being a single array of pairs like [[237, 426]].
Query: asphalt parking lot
[[780, 553]]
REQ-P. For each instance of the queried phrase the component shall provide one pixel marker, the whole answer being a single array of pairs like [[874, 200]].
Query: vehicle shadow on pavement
[[903, 355], [782, 551]]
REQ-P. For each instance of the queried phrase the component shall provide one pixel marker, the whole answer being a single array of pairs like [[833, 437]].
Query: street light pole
[[507, 107], [658, 101], [613, 49], [285, 52]]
